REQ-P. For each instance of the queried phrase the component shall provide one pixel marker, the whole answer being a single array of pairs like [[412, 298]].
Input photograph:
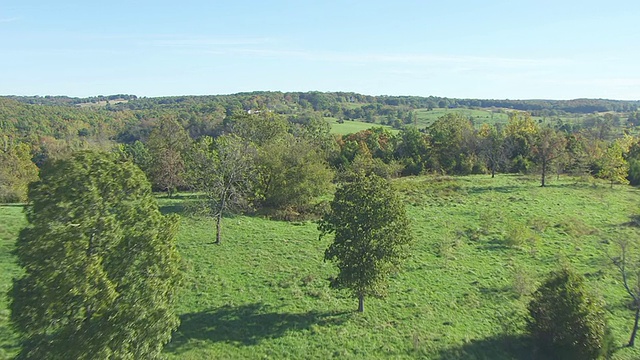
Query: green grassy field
[[351, 126], [482, 246], [480, 116]]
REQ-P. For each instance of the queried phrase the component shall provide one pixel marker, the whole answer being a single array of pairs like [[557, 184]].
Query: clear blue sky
[[468, 49]]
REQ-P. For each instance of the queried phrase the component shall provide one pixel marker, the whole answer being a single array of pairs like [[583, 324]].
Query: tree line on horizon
[[331, 101]]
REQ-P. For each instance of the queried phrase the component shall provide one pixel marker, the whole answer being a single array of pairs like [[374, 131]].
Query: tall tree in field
[[224, 170], [167, 144], [100, 264], [613, 166], [548, 145], [372, 233], [491, 143], [566, 321]]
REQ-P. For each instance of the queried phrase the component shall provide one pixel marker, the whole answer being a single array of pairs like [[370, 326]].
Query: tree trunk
[[635, 328], [221, 206], [493, 171], [218, 227], [544, 172], [361, 303]]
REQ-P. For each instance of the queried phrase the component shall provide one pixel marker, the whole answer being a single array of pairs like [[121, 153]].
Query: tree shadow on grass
[[493, 189], [494, 244], [9, 342], [172, 209], [634, 222], [246, 325], [503, 347]]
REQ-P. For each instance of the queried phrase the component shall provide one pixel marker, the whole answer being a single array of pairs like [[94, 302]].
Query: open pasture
[[482, 245]]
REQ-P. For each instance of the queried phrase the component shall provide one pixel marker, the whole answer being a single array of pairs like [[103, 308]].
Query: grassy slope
[[263, 293], [480, 116], [427, 117], [351, 126]]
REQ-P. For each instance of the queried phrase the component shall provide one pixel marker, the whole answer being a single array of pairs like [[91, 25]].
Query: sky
[[458, 48]]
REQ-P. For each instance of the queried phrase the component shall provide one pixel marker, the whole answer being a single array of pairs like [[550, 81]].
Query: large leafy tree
[[293, 173], [520, 133], [548, 145], [372, 233], [224, 170], [100, 264], [260, 127], [613, 166], [452, 144]]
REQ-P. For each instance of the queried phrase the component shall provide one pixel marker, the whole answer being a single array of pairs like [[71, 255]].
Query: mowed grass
[[481, 246]]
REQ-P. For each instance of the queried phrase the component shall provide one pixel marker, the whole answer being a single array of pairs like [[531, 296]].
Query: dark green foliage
[[100, 265], [412, 150], [139, 154], [453, 144], [372, 232], [567, 322], [634, 172]]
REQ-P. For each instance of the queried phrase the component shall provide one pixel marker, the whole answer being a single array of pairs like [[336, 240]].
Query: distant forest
[[334, 102]]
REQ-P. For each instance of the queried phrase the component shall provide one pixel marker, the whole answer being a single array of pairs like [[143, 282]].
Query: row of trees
[[295, 151], [259, 161], [452, 145]]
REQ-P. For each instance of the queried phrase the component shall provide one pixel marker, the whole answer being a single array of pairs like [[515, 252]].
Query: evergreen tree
[[100, 264], [566, 321]]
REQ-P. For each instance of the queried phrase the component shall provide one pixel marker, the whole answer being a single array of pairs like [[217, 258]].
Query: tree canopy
[[100, 264], [372, 234]]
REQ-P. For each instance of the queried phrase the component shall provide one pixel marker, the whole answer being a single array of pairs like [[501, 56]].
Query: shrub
[[566, 321], [519, 235]]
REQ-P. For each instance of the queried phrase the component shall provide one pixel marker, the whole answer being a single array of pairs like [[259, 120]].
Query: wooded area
[[292, 131]]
